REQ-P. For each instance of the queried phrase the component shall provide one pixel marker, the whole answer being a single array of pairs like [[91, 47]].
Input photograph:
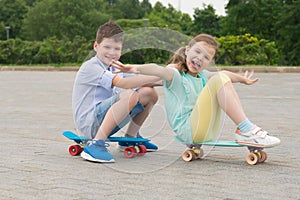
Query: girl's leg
[[220, 94], [206, 115], [230, 103]]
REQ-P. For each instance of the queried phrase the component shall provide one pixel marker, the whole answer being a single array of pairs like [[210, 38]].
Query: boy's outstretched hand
[[123, 68]]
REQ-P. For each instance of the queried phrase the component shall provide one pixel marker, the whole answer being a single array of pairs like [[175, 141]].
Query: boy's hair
[[110, 30], [179, 56]]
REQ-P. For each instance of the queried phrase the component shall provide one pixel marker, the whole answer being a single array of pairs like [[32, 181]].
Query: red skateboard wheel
[[142, 150], [75, 150], [130, 152]]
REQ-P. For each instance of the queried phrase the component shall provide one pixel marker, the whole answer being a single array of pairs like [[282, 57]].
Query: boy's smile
[[108, 50]]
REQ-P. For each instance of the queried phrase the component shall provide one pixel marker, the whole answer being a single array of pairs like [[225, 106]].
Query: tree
[[64, 19], [274, 20], [129, 9], [11, 14], [256, 17], [206, 21], [169, 18], [288, 28]]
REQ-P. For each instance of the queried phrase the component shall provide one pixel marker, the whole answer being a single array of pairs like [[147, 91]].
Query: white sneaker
[[257, 137]]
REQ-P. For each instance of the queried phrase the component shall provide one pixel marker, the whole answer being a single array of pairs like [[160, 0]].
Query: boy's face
[[108, 50]]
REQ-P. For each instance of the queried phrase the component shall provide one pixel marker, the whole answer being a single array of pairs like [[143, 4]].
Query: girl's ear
[[187, 48]]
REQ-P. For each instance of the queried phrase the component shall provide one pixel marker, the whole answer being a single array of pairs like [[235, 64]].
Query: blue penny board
[[222, 143], [81, 139]]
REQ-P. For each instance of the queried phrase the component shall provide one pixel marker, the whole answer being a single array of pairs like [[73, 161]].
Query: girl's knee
[[218, 81], [129, 95], [220, 78], [148, 93]]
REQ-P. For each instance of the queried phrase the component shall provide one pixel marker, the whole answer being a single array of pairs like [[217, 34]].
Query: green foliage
[[11, 14], [128, 24], [151, 44], [52, 27], [288, 29], [64, 19], [169, 18], [274, 20], [246, 49], [51, 50], [129, 9], [206, 21]]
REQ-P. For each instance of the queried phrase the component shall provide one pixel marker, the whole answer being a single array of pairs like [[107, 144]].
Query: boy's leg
[[148, 98], [109, 114], [117, 113]]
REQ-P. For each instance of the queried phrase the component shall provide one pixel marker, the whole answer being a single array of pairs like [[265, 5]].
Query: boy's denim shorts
[[102, 108]]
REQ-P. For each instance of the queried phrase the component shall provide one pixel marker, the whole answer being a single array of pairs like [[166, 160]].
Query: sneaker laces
[[106, 144]]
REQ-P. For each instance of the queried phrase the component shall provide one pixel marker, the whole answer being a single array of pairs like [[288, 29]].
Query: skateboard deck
[[135, 145], [256, 154]]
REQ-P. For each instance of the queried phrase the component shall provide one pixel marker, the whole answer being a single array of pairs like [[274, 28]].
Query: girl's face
[[108, 50], [198, 57]]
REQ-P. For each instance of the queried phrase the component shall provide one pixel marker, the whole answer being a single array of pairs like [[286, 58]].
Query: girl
[[194, 96]]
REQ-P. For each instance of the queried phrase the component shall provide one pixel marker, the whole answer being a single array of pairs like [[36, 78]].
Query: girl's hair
[[179, 56], [110, 30]]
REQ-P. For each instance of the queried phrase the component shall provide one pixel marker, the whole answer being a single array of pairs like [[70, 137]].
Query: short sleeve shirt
[[180, 98]]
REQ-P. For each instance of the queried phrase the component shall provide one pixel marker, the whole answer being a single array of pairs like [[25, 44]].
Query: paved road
[[35, 164]]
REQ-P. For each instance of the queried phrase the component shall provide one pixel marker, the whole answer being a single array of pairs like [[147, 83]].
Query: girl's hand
[[123, 68], [247, 78]]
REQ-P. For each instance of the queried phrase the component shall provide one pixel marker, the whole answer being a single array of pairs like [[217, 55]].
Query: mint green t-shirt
[[180, 98]]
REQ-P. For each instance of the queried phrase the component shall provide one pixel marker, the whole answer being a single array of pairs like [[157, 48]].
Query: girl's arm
[[236, 78], [135, 81], [165, 73]]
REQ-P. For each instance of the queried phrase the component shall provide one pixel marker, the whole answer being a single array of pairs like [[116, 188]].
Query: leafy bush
[[140, 46], [49, 51], [245, 49]]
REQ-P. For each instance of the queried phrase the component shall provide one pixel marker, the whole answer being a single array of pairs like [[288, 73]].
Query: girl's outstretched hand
[[123, 68], [248, 78]]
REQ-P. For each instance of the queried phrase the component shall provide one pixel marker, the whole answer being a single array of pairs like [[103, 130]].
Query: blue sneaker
[[149, 146], [96, 151]]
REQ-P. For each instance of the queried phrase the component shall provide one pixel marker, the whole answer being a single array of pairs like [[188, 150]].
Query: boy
[[99, 110]]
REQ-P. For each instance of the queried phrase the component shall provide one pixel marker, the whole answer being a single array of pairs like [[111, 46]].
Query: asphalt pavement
[[36, 109]]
